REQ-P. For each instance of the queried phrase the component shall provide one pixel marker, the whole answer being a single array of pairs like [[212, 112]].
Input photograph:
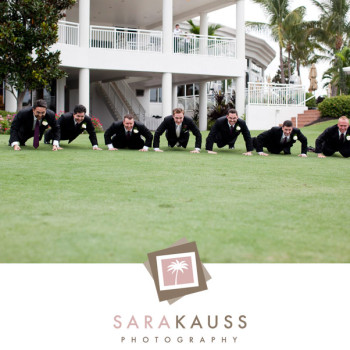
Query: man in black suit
[[225, 132], [72, 125], [32, 122], [279, 139], [336, 138], [178, 127], [127, 134]]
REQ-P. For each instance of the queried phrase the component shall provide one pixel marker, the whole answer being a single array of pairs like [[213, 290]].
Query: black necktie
[[231, 129], [341, 138], [128, 134], [285, 140]]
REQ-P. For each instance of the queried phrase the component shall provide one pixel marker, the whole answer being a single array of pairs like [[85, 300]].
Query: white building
[[116, 51]]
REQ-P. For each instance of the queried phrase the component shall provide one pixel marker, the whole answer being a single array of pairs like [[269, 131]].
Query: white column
[[166, 94], [167, 26], [203, 106], [203, 43], [84, 88], [60, 85], [240, 95], [84, 23], [240, 40], [174, 96], [10, 100], [240, 29]]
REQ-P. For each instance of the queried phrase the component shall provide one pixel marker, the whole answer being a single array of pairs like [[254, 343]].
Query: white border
[[160, 258]]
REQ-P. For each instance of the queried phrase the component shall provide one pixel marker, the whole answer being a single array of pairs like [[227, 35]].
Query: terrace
[[127, 39]]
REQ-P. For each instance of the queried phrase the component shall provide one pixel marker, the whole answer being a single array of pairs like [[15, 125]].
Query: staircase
[[124, 100], [109, 100], [121, 100], [129, 99], [307, 118]]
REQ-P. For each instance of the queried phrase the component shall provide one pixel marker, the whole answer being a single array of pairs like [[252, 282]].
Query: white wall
[[144, 100], [93, 58], [73, 99], [155, 109], [261, 117], [99, 108]]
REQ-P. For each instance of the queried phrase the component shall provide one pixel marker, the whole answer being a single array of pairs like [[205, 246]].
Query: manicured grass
[[79, 205]]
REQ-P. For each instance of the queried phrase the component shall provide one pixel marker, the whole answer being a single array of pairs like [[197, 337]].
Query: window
[[156, 95], [181, 90]]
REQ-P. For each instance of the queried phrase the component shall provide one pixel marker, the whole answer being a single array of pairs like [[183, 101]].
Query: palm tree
[[305, 49], [278, 16], [332, 30], [176, 267], [212, 28], [333, 27], [336, 75], [291, 27]]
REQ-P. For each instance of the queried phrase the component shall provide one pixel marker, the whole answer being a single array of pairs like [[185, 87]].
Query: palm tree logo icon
[[177, 266]]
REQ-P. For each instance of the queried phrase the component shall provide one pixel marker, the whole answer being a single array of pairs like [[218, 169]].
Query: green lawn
[[79, 205]]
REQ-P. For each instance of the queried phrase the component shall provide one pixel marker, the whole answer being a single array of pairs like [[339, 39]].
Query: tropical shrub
[[5, 122], [335, 107], [97, 124], [220, 107], [312, 102]]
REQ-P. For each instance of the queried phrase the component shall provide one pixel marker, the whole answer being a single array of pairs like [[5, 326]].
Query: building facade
[[116, 51]]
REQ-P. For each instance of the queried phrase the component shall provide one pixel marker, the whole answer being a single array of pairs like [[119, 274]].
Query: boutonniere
[[83, 126], [44, 122], [184, 128], [135, 131], [348, 137], [295, 137], [238, 128]]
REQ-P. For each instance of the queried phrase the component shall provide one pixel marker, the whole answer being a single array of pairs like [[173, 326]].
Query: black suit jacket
[[272, 139], [221, 130], [117, 130], [69, 131], [22, 125], [169, 125], [330, 137]]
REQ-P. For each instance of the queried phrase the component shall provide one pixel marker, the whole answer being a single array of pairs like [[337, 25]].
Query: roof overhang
[[145, 14]]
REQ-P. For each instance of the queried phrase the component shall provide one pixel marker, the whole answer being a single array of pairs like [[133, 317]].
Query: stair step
[[307, 117]]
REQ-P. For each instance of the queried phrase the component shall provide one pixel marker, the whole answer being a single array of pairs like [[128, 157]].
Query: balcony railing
[[68, 33], [125, 39], [276, 94], [191, 103], [205, 45]]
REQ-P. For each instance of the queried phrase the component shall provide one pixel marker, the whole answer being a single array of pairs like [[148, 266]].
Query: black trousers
[[183, 140], [222, 142], [274, 149], [132, 143], [328, 151]]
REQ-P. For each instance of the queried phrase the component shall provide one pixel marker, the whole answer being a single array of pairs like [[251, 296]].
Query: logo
[[177, 271]]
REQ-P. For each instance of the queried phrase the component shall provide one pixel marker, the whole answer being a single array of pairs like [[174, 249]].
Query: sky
[[254, 12]]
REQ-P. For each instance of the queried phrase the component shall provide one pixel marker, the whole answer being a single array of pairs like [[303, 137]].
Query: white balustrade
[[68, 33], [125, 39], [276, 94], [216, 46], [146, 40]]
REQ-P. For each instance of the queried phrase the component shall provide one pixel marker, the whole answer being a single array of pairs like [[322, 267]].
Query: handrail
[[276, 94]]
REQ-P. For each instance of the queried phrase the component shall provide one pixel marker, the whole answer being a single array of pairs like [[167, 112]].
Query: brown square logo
[[177, 271]]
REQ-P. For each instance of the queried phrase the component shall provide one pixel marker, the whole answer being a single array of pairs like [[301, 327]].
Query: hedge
[[335, 107], [312, 102]]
